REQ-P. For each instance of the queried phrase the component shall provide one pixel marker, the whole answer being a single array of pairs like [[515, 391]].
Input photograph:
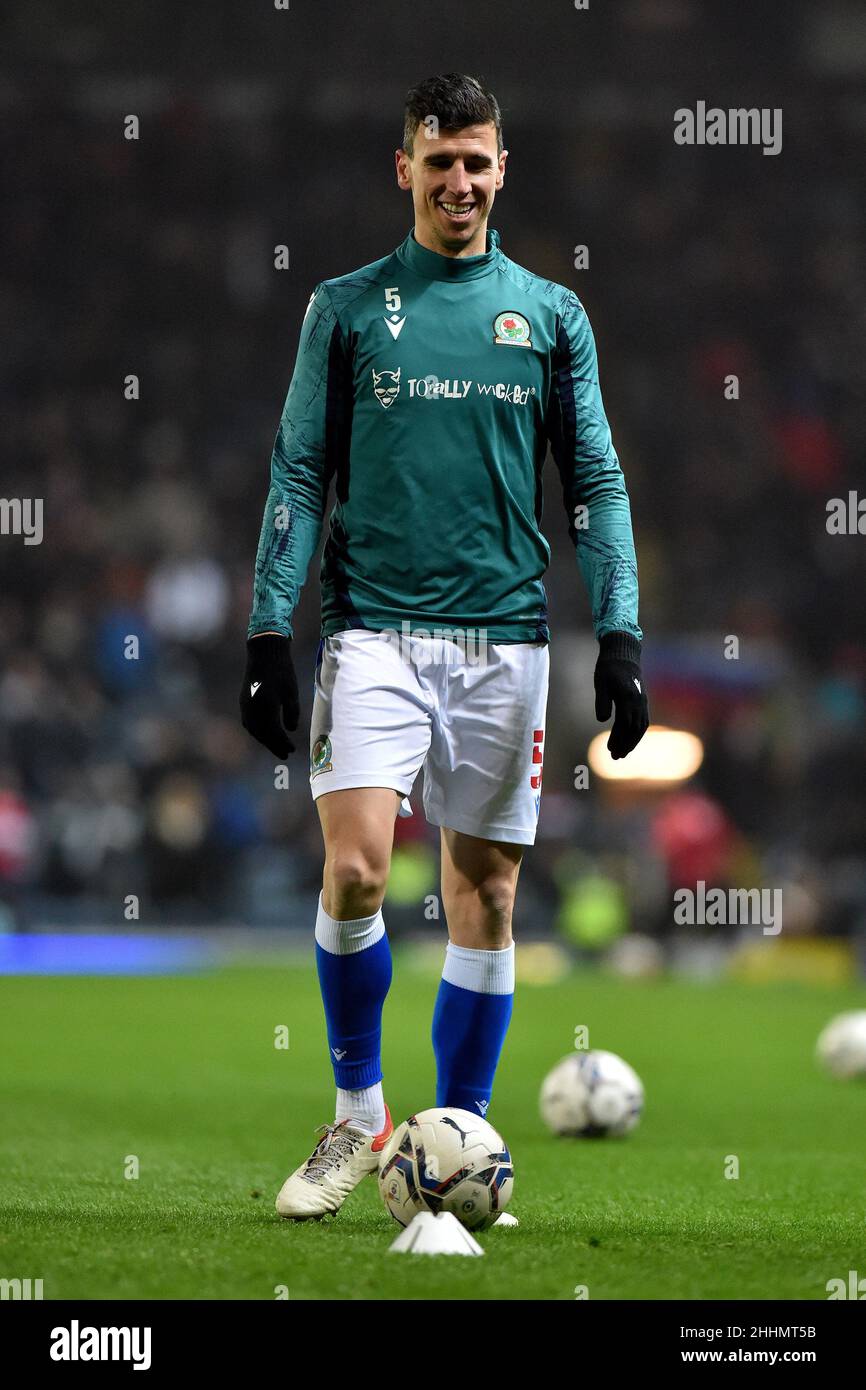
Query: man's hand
[[270, 690], [618, 682]]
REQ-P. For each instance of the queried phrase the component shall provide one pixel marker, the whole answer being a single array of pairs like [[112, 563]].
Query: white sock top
[[484, 972], [345, 938]]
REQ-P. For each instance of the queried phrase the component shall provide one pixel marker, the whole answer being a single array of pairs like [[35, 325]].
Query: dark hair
[[456, 100]]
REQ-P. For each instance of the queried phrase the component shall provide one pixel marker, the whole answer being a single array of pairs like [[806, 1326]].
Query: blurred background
[[130, 796]]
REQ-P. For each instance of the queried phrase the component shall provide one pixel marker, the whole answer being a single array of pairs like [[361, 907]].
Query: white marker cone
[[427, 1234]]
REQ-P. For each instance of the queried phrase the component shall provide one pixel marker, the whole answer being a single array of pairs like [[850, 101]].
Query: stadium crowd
[[123, 766]]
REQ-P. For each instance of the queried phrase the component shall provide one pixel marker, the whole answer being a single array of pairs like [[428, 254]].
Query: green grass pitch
[[182, 1073]]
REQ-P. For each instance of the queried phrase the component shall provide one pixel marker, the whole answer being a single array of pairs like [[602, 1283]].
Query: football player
[[429, 387]]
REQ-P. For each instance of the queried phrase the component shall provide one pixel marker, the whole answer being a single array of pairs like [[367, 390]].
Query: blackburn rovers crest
[[320, 758], [512, 328]]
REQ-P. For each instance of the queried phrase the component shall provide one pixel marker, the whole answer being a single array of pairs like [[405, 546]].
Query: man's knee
[[496, 900], [354, 884], [481, 918]]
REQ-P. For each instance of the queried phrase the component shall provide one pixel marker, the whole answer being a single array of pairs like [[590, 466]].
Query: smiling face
[[453, 179]]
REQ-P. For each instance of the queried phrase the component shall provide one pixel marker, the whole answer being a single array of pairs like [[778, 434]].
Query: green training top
[[430, 387]]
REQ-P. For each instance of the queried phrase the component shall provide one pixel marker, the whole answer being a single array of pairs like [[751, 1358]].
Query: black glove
[[270, 689], [618, 681]]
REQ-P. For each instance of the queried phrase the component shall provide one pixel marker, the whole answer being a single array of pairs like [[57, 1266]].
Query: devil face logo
[[386, 386]]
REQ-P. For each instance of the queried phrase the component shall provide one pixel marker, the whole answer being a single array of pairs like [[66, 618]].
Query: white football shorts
[[388, 704]]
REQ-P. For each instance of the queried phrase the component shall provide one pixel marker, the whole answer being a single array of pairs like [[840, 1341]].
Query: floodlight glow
[[663, 755]]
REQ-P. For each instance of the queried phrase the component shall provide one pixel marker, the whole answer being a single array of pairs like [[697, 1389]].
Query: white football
[[841, 1047], [591, 1094], [446, 1160]]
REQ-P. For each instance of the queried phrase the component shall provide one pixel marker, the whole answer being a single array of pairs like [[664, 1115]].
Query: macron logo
[[254, 687], [637, 683], [339, 1053], [482, 1105]]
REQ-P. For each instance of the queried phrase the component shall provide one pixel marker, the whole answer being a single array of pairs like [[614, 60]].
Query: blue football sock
[[471, 1018], [354, 965]]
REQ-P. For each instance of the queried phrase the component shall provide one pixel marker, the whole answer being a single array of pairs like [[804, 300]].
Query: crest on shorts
[[320, 758], [512, 328]]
